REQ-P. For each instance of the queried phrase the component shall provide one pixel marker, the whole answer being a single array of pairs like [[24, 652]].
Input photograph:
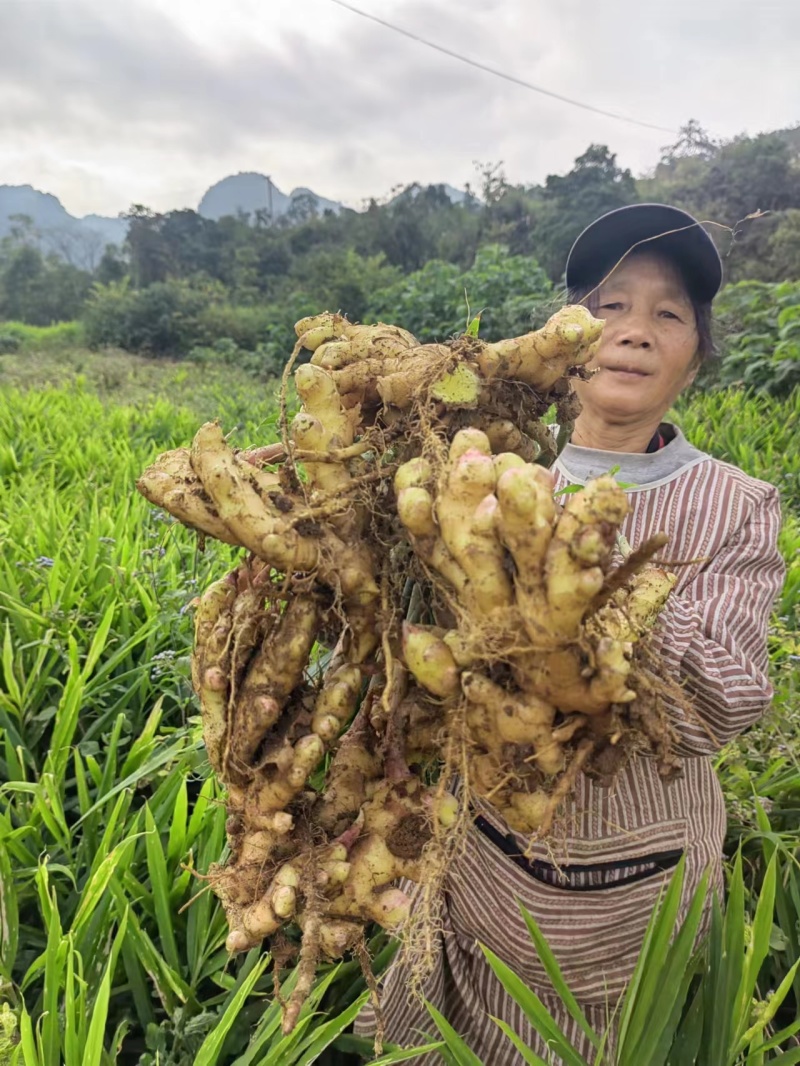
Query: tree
[[39, 290], [493, 182], [571, 201], [693, 143], [82, 248], [752, 174], [19, 283], [342, 280], [112, 266], [303, 208], [148, 255], [784, 246], [418, 224], [511, 220], [191, 244], [744, 175], [741, 178], [22, 232]]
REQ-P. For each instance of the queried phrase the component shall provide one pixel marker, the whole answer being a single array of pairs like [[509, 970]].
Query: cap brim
[[668, 230]]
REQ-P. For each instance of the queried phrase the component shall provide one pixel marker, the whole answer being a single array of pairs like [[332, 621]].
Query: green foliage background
[[230, 291]]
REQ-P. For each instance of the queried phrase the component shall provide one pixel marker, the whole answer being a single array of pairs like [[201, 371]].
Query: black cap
[[665, 229]]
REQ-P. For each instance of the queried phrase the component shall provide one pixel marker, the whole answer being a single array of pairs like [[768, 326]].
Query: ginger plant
[[406, 526]]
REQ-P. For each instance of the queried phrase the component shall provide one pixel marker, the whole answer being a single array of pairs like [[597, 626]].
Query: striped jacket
[[613, 842]]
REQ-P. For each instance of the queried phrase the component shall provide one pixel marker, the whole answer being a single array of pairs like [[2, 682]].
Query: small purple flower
[[43, 561]]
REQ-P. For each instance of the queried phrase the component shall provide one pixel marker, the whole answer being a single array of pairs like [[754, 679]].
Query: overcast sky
[[110, 102]]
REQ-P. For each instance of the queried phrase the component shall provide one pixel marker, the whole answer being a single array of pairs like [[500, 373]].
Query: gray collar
[[636, 470]]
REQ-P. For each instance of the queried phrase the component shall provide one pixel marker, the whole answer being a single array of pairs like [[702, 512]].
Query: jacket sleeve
[[712, 636]]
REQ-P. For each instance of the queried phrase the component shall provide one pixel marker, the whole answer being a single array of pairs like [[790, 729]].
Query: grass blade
[[324, 1035], [770, 1009], [458, 1048], [686, 1044], [758, 946], [167, 753], [268, 1026], [534, 1010], [30, 1055], [556, 978], [54, 959], [788, 1058], [157, 867], [775, 1041], [96, 887], [727, 1016], [406, 1054], [656, 1013], [210, 1049], [94, 1050], [73, 1014], [654, 946], [528, 1054], [177, 831], [9, 915]]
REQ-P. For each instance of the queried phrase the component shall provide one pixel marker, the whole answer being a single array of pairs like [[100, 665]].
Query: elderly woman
[[651, 272]]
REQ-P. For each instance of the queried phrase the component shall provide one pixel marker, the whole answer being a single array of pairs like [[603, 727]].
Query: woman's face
[[647, 353]]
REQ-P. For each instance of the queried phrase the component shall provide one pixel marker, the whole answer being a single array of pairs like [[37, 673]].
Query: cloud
[[146, 107]]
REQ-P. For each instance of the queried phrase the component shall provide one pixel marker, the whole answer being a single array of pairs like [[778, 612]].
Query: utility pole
[[269, 198]]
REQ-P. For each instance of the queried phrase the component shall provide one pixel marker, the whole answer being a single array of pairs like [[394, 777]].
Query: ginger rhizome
[[414, 608]]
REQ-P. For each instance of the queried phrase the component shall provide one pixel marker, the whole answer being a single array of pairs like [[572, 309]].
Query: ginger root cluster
[[413, 608]]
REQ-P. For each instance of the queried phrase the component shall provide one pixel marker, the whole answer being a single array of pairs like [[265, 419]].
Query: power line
[[500, 73]]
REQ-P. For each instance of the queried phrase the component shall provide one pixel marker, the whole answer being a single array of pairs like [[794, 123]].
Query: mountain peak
[[82, 241], [79, 241], [249, 192]]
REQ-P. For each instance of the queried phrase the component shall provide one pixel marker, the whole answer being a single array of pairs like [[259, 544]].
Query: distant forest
[[246, 279]]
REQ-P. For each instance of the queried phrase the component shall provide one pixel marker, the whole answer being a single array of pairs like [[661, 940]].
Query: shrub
[[245, 327], [760, 325], [9, 342], [159, 320], [512, 291], [16, 336], [174, 318], [265, 362]]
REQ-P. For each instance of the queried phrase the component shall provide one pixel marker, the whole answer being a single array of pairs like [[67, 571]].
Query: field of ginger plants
[[111, 948]]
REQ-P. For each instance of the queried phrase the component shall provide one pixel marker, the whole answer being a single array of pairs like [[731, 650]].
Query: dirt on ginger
[[413, 609]]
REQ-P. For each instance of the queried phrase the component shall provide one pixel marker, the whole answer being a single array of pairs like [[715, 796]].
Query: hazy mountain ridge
[[249, 193], [82, 241]]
